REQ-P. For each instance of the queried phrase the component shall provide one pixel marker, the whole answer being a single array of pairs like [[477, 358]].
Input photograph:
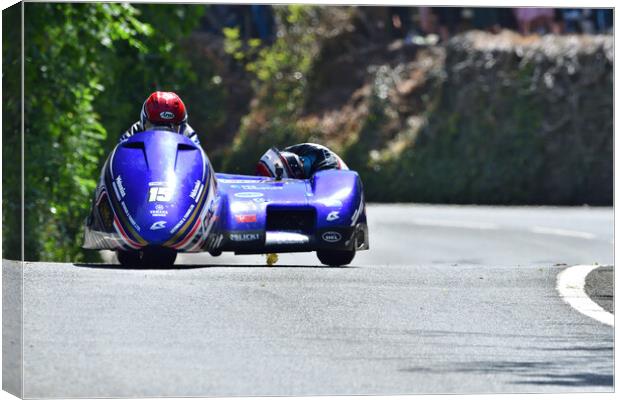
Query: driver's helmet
[[274, 159], [163, 110]]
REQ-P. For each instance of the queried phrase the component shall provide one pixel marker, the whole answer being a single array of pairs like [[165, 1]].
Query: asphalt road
[[600, 287], [448, 300]]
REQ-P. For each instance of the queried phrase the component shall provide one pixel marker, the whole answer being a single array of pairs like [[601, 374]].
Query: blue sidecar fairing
[[158, 189]]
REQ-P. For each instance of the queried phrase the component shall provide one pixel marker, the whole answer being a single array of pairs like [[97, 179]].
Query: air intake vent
[[183, 146], [133, 145], [299, 220]]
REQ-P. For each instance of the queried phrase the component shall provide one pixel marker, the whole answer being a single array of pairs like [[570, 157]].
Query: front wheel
[[158, 257], [149, 257], [128, 258], [335, 257]]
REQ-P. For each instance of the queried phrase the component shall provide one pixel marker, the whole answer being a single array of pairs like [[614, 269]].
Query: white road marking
[[562, 232], [570, 285], [455, 224]]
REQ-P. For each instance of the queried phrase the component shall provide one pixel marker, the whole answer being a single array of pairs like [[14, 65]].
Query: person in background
[[604, 20], [486, 19], [448, 19], [427, 20], [534, 19], [400, 21], [263, 22]]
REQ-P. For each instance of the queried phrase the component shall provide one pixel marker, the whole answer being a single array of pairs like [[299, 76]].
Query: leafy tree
[[280, 81], [84, 64], [11, 133]]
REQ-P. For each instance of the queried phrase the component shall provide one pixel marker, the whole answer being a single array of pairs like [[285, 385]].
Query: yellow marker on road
[[272, 258]]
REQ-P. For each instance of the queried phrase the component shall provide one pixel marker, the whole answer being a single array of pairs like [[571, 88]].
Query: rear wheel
[[335, 257]]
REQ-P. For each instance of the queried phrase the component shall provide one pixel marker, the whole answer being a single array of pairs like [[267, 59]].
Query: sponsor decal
[[166, 114], [240, 206], [332, 216], [158, 225], [159, 211], [189, 210], [133, 222], [248, 195], [331, 237], [182, 221], [120, 187], [260, 187], [244, 237], [238, 180], [160, 193], [195, 190], [331, 203], [245, 218]]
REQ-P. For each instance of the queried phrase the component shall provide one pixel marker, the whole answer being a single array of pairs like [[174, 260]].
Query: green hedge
[[487, 119]]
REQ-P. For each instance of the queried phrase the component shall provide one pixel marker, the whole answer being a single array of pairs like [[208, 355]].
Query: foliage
[[11, 137], [280, 80], [158, 64], [496, 120], [501, 130], [87, 67]]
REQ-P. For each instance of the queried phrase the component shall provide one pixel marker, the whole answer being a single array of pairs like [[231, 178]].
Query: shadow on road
[[198, 266], [531, 373], [558, 367], [571, 380]]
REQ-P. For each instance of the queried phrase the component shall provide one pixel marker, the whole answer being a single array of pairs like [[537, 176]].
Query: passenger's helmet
[[163, 109], [273, 160]]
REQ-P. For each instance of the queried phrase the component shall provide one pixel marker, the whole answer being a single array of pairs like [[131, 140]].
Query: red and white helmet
[[163, 109], [289, 164]]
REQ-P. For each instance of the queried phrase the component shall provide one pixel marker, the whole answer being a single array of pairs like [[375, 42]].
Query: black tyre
[[154, 257], [335, 257], [128, 258]]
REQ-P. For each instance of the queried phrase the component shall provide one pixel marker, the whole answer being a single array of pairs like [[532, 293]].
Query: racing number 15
[[159, 193]]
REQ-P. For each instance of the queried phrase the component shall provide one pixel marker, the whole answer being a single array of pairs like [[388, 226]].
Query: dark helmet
[[290, 163]]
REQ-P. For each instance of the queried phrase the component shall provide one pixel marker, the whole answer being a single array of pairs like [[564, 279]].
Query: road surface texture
[[448, 300], [600, 287]]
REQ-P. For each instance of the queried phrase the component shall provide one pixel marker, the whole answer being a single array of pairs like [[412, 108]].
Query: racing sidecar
[[158, 195]]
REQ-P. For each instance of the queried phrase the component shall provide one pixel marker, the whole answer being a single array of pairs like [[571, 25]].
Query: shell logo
[[166, 115], [331, 237]]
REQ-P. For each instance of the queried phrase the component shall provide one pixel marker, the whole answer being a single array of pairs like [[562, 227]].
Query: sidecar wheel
[[335, 257]]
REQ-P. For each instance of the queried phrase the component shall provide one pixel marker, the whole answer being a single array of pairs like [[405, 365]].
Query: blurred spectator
[[507, 19], [372, 21], [486, 19], [534, 19], [570, 19], [578, 20], [218, 17], [255, 21], [427, 20], [263, 23], [448, 19], [603, 19], [400, 21], [380, 23]]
